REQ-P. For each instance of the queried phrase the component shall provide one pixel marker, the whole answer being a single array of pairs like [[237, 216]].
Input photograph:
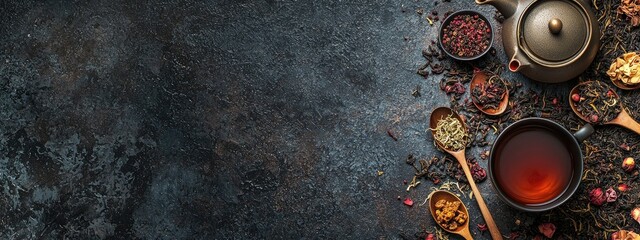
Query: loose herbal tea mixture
[[450, 133], [596, 102], [466, 35], [488, 95], [448, 214]]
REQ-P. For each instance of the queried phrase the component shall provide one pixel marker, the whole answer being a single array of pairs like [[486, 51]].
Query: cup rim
[[573, 184], [449, 18]]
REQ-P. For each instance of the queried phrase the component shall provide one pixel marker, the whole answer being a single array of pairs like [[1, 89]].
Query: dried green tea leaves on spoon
[[450, 133], [596, 102]]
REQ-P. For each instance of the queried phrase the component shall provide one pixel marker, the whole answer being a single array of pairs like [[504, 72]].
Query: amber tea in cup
[[536, 164], [533, 166]]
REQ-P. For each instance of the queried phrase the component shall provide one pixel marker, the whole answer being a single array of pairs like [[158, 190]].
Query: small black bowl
[[446, 23]]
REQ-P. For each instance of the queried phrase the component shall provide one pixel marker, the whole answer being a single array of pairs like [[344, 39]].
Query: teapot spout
[[518, 61], [505, 7]]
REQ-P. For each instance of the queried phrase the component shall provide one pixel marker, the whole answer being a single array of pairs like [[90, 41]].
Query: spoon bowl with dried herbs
[[451, 135], [450, 213], [489, 93], [624, 72], [596, 103]]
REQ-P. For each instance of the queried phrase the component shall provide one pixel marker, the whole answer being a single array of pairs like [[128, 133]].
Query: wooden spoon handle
[[466, 234], [493, 228], [628, 122]]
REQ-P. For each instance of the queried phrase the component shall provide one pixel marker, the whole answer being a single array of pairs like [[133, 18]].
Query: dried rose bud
[[547, 229], [635, 214], [611, 195], [628, 164], [597, 197], [408, 202], [575, 97], [594, 118], [554, 101], [623, 187]]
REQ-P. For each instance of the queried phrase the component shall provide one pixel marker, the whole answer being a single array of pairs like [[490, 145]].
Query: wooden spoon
[[623, 86], [441, 113], [623, 119], [478, 80], [462, 230]]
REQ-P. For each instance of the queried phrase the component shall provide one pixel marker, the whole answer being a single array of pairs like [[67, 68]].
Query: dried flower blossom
[[611, 195], [635, 214], [597, 197], [631, 8], [628, 164], [625, 235], [626, 69], [547, 229]]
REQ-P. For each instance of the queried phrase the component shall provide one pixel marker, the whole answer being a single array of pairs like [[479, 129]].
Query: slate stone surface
[[216, 119]]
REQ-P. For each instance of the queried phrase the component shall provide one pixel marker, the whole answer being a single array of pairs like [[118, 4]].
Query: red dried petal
[[482, 227], [597, 197], [430, 236], [547, 229], [635, 214], [408, 202], [611, 195]]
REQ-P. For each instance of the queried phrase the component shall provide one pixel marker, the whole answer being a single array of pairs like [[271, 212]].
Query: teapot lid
[[553, 30]]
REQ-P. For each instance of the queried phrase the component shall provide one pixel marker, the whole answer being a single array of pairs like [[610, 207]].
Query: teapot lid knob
[[555, 25]]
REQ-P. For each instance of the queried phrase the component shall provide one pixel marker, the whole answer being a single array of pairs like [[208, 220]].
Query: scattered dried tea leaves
[[450, 133], [413, 183], [392, 135], [631, 8], [547, 229], [626, 69], [448, 214]]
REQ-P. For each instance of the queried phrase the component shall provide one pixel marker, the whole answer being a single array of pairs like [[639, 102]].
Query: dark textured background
[[217, 119]]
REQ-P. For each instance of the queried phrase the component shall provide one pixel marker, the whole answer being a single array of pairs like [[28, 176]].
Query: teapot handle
[[506, 7]]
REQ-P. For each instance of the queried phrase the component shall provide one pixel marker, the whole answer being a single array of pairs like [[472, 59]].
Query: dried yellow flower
[[626, 69]]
